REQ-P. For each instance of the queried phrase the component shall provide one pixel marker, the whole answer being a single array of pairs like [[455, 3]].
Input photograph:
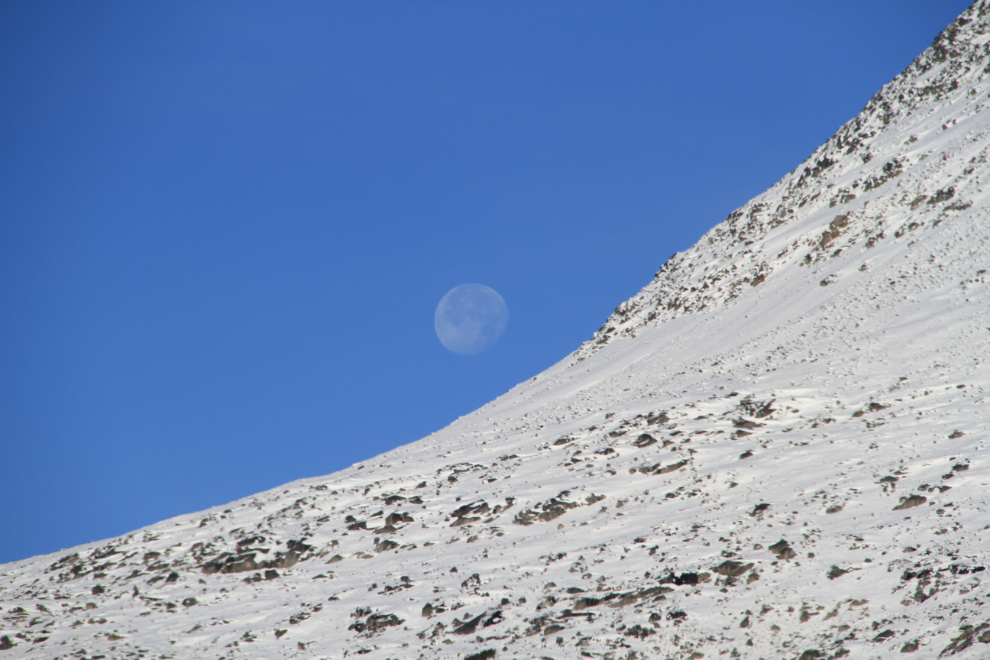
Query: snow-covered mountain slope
[[778, 449]]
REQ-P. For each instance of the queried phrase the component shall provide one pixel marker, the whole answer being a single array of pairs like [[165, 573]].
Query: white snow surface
[[813, 371]]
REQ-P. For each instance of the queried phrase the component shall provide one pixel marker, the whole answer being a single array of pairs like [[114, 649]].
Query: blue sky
[[225, 227]]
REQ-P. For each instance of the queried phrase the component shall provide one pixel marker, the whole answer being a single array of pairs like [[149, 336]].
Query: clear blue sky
[[225, 227]]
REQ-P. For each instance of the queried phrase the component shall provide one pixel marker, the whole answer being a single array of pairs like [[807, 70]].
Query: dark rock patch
[[967, 635], [375, 623], [472, 582], [910, 502], [782, 549], [732, 568], [396, 518], [682, 579], [671, 468], [659, 418], [644, 440], [545, 512], [229, 563], [468, 627], [759, 509], [638, 631], [835, 572], [487, 654], [942, 195], [385, 545]]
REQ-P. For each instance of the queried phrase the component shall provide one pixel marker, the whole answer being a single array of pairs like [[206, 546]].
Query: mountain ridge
[[941, 74]]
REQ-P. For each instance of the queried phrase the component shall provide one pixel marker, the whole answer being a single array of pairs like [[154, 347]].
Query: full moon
[[470, 319]]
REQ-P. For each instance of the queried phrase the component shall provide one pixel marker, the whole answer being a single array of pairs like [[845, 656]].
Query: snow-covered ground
[[778, 449]]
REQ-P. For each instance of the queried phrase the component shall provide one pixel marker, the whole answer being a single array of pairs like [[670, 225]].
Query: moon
[[470, 319]]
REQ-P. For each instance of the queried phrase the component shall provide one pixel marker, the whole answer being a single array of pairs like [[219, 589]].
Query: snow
[[821, 354]]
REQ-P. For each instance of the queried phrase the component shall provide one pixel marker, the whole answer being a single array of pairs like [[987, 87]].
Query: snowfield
[[777, 449]]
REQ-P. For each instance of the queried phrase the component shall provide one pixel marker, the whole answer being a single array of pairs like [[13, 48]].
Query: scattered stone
[[671, 468], [487, 654], [638, 631], [835, 572], [472, 582], [230, 563], [732, 568], [782, 549], [660, 418], [375, 624], [910, 501], [468, 627], [385, 545], [967, 635], [683, 578], [759, 509], [644, 440]]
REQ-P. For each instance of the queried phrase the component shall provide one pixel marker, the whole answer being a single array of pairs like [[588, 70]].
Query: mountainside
[[777, 449]]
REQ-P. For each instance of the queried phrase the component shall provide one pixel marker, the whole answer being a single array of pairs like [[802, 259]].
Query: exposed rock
[[385, 545], [782, 549], [375, 624], [644, 440], [835, 572], [468, 627], [732, 568], [759, 509], [671, 468], [487, 654], [911, 501]]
